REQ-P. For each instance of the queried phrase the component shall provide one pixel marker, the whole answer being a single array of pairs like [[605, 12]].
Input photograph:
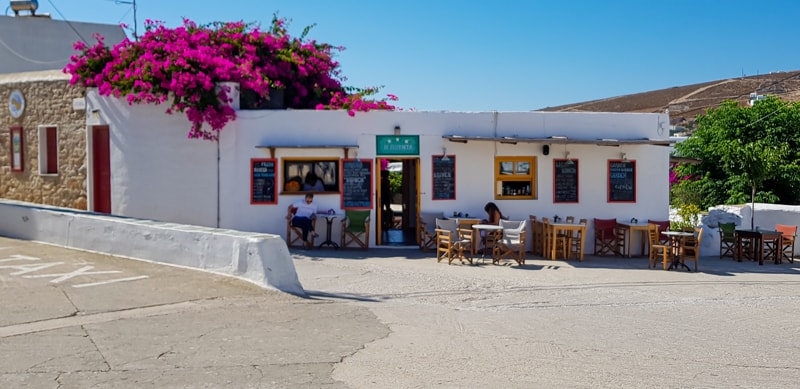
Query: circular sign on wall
[[16, 103]]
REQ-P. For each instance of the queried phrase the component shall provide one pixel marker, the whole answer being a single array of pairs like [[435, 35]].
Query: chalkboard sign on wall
[[356, 184], [262, 181], [565, 181], [444, 177], [621, 181]]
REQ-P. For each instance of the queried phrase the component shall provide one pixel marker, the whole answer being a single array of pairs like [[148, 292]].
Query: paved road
[[395, 319]]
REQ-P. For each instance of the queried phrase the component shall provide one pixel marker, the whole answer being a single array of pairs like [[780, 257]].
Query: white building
[[151, 170]]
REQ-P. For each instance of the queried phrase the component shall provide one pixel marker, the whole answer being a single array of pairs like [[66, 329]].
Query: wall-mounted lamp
[[623, 156], [444, 154], [396, 130]]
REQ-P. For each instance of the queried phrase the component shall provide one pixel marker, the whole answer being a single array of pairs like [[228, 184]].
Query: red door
[[101, 170]]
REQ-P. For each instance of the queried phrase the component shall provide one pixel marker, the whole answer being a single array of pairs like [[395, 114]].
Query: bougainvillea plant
[[184, 66]]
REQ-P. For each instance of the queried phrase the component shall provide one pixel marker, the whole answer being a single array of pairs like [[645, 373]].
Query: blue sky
[[508, 55]]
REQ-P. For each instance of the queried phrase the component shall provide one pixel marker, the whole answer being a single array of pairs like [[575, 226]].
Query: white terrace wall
[[157, 173], [766, 217]]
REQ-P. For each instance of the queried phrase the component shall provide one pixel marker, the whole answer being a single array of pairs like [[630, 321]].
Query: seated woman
[[494, 214]]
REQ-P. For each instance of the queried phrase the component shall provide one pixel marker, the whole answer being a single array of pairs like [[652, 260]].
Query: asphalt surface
[[394, 318]]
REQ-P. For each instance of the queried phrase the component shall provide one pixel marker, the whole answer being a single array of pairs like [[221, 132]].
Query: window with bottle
[[515, 178]]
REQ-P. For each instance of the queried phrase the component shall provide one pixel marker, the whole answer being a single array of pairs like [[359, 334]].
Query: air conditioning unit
[[24, 5]]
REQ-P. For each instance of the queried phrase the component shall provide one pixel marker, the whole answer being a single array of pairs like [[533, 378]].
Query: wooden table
[[759, 238], [629, 229], [676, 237], [567, 228]]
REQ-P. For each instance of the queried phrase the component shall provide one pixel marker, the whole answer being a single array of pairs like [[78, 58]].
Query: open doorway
[[397, 199]]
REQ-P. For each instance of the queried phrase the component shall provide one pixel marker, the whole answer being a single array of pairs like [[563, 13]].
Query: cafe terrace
[[588, 165]]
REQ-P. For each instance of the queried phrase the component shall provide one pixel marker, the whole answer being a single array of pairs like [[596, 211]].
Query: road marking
[[24, 269], [110, 281], [18, 257], [65, 276]]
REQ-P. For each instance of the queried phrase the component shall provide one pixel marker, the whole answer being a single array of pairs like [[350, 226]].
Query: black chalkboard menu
[[565, 181], [356, 184], [621, 181], [444, 177], [262, 181]]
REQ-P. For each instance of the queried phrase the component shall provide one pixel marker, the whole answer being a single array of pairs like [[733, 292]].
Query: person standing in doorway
[[301, 213]]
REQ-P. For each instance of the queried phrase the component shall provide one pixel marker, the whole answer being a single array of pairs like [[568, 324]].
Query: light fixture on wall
[[444, 154], [623, 156], [396, 130], [566, 156]]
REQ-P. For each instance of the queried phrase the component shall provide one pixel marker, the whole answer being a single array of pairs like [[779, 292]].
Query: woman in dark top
[[494, 214]]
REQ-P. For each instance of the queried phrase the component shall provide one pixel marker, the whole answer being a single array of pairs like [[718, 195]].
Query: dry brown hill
[[686, 102]]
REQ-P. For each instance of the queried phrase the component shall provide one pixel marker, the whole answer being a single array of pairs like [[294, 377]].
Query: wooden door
[[101, 170]]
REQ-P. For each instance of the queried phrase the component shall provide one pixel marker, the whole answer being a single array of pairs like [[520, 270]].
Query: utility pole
[[132, 3]]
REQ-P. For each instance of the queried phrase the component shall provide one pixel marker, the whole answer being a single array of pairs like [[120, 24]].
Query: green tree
[[746, 153]]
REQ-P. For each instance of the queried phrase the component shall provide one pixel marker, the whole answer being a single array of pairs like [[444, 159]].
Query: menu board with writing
[[565, 181], [444, 177], [262, 181], [356, 184], [621, 181]]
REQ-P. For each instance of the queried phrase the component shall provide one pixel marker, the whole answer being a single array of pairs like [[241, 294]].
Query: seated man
[[303, 210]]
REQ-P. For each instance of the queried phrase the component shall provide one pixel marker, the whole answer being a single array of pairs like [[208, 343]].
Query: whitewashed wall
[[156, 172], [159, 174]]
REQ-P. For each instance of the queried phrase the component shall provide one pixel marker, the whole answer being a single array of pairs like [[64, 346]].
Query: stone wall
[[48, 102]]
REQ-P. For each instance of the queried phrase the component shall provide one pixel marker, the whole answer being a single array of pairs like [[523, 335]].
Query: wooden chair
[[426, 229], [663, 225], [294, 235], [453, 242], [789, 233], [355, 229], [606, 237], [536, 235], [727, 240], [656, 248], [512, 244], [690, 248], [574, 241]]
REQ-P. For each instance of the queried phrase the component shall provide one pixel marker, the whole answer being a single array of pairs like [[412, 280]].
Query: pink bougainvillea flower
[[185, 64]]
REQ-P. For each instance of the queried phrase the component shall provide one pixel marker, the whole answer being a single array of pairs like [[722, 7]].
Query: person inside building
[[313, 183], [301, 213]]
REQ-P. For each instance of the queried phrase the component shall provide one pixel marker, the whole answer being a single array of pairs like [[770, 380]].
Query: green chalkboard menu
[[565, 181], [621, 181], [444, 177], [262, 181], [356, 184]]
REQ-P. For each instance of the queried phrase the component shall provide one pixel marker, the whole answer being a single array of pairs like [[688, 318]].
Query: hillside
[[686, 102]]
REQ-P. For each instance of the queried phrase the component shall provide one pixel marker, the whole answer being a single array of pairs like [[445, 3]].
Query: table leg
[[328, 241], [629, 238]]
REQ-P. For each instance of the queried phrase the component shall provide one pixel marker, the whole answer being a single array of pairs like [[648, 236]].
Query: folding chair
[[512, 244], [606, 237], [294, 235], [789, 233], [727, 240], [453, 242], [426, 229], [355, 229]]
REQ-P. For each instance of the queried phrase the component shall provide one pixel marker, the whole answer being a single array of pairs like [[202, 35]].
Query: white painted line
[[24, 269], [65, 276], [110, 281], [18, 257]]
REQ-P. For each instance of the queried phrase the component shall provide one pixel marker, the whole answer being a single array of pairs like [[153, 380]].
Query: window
[[515, 178], [310, 175], [48, 150]]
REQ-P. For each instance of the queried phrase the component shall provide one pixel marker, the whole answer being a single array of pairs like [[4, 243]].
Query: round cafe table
[[490, 229], [675, 238]]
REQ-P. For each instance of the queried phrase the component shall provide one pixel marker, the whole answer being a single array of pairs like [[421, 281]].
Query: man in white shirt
[[301, 213]]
